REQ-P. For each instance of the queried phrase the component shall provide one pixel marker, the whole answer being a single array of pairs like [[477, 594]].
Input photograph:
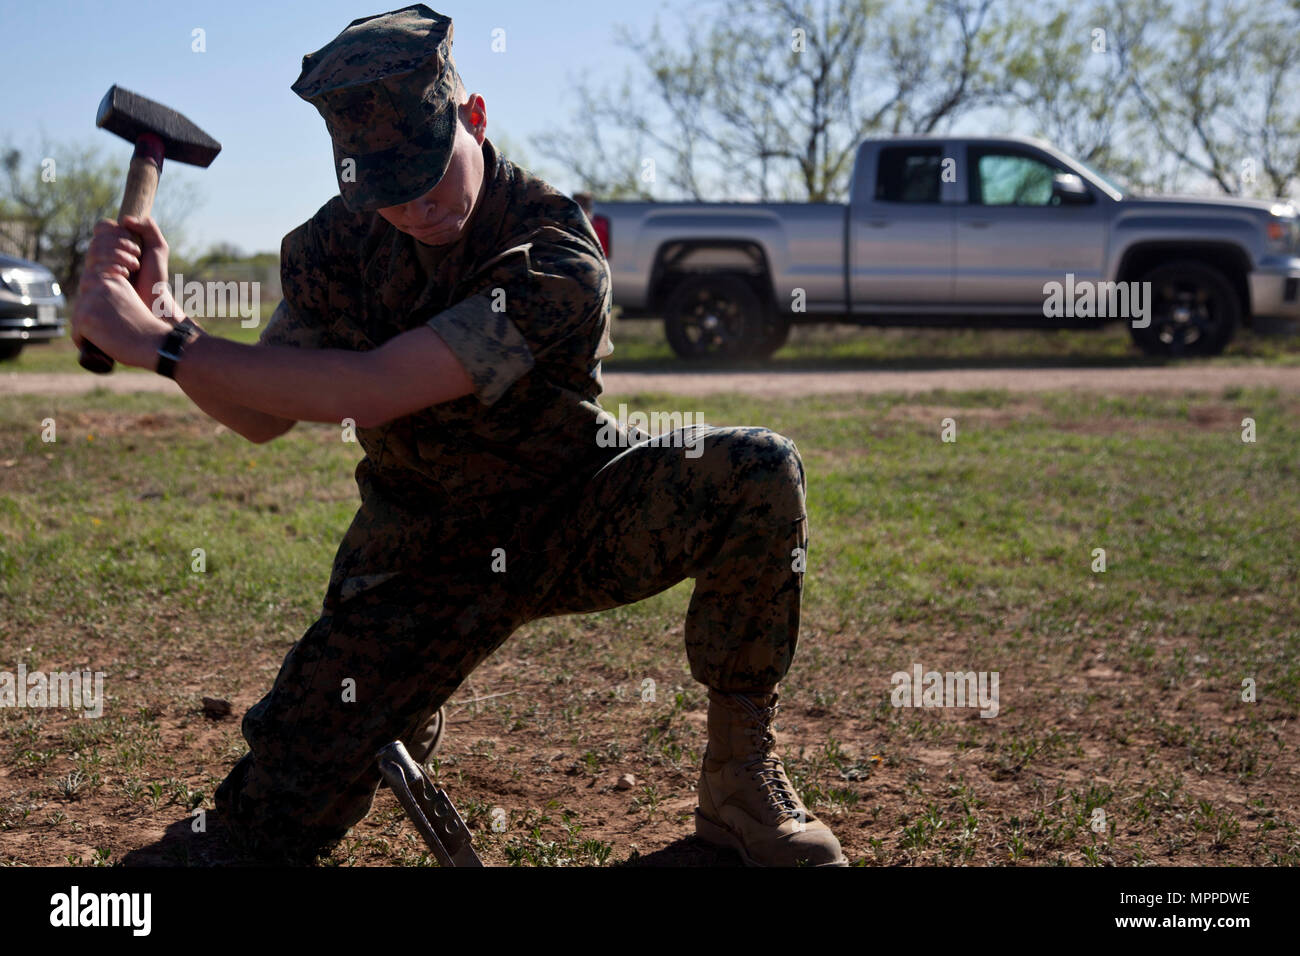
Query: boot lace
[[766, 768]]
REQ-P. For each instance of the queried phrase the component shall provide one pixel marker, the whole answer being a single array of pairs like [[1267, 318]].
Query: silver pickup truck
[[971, 232]]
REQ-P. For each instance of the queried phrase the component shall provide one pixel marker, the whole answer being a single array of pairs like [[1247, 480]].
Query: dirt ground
[[548, 745], [1073, 735]]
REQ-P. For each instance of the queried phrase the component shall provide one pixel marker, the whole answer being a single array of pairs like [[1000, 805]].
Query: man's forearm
[[254, 425], [275, 382], [409, 372], [251, 424]]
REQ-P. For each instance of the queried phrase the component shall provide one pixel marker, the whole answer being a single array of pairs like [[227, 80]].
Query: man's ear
[[474, 113]]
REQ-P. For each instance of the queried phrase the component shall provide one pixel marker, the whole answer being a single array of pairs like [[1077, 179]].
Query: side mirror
[[1070, 190]]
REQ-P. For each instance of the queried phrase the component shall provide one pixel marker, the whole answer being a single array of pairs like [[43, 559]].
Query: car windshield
[[1111, 180]]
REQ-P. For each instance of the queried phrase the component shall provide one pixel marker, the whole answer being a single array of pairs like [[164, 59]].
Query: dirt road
[[799, 384]]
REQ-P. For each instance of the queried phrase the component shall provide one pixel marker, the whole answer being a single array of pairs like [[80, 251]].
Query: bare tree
[[585, 150], [1217, 89], [774, 95], [1269, 130], [1066, 73], [54, 196], [771, 97]]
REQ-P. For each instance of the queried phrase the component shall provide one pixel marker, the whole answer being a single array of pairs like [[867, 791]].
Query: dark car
[[30, 302]]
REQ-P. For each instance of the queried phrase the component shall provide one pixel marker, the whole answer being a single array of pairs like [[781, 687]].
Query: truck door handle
[[877, 223], [979, 223]]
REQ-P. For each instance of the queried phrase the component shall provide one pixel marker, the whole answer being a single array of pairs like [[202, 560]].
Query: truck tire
[[10, 350], [1194, 311], [717, 316]]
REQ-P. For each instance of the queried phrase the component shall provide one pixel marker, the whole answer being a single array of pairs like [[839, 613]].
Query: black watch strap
[[169, 353]]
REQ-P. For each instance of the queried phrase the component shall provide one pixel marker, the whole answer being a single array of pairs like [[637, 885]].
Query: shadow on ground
[[180, 846]]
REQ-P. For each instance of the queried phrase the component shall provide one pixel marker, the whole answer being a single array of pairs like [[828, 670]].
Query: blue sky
[[275, 168]]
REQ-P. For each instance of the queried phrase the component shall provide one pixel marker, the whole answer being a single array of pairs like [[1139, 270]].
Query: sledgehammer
[[428, 806], [157, 132]]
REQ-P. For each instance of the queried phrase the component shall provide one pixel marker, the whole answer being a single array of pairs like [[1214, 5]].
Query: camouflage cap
[[386, 87]]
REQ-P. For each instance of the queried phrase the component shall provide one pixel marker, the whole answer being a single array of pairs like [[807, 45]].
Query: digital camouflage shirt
[[523, 300]]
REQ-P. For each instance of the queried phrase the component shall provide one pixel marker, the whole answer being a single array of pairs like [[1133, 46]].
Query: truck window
[[908, 174], [1011, 179]]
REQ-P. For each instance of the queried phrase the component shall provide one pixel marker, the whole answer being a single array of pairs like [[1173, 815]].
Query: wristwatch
[[169, 353]]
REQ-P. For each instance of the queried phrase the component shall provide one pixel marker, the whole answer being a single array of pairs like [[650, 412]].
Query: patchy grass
[[1122, 736], [639, 344]]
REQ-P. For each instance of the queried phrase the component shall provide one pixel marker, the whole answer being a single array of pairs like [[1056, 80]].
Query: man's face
[[439, 217]]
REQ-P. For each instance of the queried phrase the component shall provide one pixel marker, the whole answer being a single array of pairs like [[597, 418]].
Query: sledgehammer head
[[131, 115]]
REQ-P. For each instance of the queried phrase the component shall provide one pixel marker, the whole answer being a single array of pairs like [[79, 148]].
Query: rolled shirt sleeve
[[490, 347], [541, 305]]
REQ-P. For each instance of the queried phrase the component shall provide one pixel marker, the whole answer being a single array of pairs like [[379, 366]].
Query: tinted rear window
[[909, 174]]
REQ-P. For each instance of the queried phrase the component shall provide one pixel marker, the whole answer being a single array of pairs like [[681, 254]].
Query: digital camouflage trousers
[[724, 506]]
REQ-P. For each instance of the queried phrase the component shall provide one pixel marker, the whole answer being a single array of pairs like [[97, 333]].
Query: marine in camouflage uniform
[[501, 507]]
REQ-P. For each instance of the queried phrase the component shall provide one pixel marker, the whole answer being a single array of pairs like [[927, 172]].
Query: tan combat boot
[[746, 800]]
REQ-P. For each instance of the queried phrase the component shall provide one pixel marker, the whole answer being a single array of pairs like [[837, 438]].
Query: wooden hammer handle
[[137, 200]]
